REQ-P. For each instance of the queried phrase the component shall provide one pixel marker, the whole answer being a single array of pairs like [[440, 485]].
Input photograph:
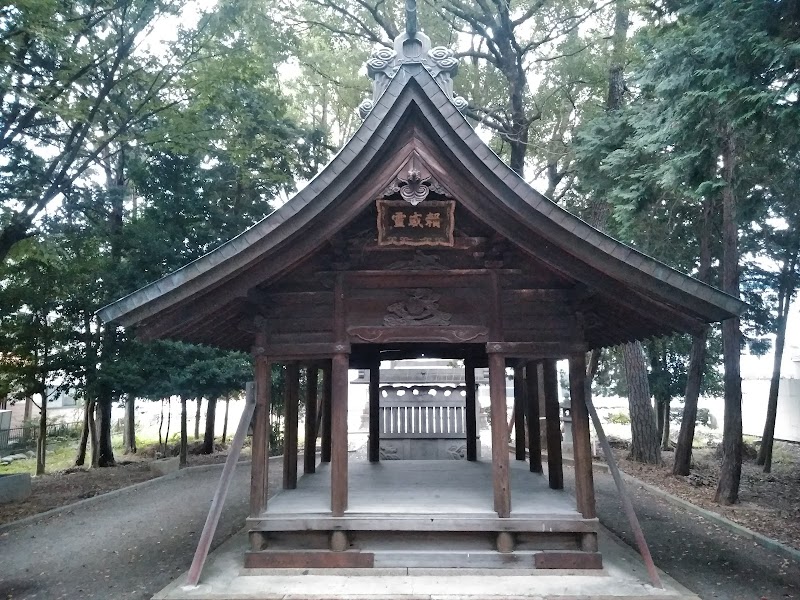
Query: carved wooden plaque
[[429, 223]]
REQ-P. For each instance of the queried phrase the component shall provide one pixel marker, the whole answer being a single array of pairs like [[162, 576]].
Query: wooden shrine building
[[417, 239]]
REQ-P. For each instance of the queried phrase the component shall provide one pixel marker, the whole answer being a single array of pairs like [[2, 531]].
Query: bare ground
[[769, 502], [62, 488]]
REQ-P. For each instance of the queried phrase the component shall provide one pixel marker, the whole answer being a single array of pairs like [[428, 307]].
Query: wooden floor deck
[[425, 487], [418, 513]]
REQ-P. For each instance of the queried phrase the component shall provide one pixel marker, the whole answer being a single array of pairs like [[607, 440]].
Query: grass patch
[[60, 455]]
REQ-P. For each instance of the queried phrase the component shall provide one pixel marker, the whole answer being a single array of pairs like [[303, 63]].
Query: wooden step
[[420, 522]]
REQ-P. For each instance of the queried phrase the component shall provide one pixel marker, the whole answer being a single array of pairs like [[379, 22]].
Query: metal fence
[[23, 438]]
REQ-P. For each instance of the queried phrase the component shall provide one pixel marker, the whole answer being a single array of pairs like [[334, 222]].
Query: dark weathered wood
[[339, 435], [567, 560], [305, 351], [581, 443], [552, 413], [448, 335], [471, 417], [327, 404], [500, 479], [210, 526], [339, 308], [310, 442], [389, 521], [309, 559], [473, 278], [519, 413], [259, 466], [532, 417], [291, 400], [374, 449], [536, 350], [496, 308]]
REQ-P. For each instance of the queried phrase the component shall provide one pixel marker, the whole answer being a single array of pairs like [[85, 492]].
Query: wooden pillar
[[581, 443], [532, 416], [519, 413], [291, 400], [542, 411], [310, 443], [471, 412], [259, 466], [552, 413], [497, 392], [325, 441], [339, 434], [374, 448]]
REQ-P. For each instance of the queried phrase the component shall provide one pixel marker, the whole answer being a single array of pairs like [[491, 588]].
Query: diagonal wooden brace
[[215, 511]]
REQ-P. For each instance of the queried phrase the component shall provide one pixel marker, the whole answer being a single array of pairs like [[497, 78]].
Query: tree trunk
[[161, 425], [694, 379], [169, 421], [197, 418], [27, 415], [731, 469], [786, 292], [697, 355], [80, 457], [41, 442], [616, 71], [184, 435], [105, 451], [90, 382], [208, 438], [645, 445], [225, 420], [660, 412], [665, 425], [93, 434], [129, 431]]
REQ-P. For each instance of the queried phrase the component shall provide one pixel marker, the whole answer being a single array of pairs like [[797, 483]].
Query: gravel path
[[698, 553], [131, 545], [128, 546]]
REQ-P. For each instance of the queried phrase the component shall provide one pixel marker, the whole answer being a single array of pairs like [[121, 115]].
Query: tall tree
[[502, 46], [693, 125], [62, 63]]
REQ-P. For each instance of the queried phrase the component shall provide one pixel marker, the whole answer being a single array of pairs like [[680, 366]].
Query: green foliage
[[619, 418]]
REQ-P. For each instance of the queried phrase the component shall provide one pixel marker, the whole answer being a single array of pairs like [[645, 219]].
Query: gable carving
[[414, 182], [420, 308]]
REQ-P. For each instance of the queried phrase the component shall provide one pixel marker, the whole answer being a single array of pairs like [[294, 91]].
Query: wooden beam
[[325, 441], [339, 386], [519, 413], [462, 334], [500, 479], [471, 412], [536, 350], [259, 466], [473, 278], [374, 449], [310, 442], [581, 444], [291, 400], [552, 413], [306, 351], [532, 417]]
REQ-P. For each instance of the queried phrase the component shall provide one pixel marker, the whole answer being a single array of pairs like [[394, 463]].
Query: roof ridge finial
[[411, 46], [411, 18]]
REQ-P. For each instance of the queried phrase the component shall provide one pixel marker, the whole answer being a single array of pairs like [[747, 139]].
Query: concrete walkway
[[129, 545]]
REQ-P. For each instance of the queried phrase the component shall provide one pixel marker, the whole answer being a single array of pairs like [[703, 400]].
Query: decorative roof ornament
[[414, 182], [411, 46]]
